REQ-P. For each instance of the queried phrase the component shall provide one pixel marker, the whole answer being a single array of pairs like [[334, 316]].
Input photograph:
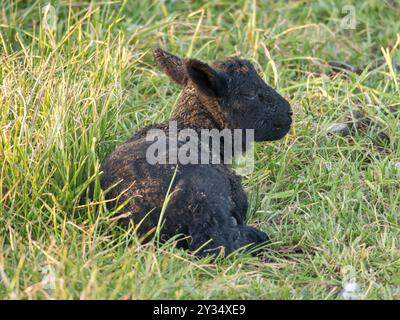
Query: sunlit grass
[[77, 79]]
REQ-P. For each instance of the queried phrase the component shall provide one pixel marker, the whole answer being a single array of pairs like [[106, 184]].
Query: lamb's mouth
[[285, 126], [281, 127], [278, 127]]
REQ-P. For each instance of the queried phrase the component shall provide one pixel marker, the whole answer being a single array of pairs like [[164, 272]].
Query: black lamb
[[203, 202]]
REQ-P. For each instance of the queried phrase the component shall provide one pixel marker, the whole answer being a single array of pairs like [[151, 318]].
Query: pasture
[[77, 78]]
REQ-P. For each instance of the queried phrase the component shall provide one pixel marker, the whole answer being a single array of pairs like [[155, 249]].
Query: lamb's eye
[[249, 96]]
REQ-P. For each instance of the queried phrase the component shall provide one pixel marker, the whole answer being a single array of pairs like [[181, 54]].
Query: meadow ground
[[77, 79]]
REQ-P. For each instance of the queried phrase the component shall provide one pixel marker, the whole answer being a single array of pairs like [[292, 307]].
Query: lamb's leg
[[230, 238], [205, 209]]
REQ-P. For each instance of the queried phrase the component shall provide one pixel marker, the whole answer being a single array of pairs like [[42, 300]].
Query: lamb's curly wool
[[207, 202]]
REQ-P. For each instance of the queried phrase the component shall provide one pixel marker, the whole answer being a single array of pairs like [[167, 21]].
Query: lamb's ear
[[204, 78], [171, 65]]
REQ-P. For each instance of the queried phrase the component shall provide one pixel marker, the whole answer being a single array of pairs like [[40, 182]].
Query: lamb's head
[[233, 87]]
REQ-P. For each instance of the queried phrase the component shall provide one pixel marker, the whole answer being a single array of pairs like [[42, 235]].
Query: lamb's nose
[[290, 113]]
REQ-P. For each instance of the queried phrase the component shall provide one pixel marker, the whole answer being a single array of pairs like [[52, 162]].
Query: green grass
[[79, 80]]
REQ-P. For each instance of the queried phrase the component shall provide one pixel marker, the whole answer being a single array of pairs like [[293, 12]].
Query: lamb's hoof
[[256, 238]]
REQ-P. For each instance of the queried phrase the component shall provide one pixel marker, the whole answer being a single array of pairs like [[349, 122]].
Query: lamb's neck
[[192, 112]]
